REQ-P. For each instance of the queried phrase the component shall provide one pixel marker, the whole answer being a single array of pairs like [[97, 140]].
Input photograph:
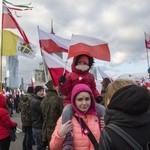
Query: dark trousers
[[37, 135], [27, 141], [5, 143]]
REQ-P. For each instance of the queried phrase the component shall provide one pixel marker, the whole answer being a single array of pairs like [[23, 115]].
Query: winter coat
[[77, 77], [80, 140], [36, 112], [129, 108], [25, 109], [52, 106], [5, 122]]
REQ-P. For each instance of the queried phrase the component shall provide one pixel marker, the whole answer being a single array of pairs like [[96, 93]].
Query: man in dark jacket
[[36, 115], [52, 106], [26, 118]]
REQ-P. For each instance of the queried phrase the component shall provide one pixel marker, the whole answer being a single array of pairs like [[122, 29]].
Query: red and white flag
[[9, 22], [55, 66], [90, 46], [52, 43], [104, 75], [147, 41]]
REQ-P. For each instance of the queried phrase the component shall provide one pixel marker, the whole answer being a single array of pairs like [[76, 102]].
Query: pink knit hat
[[83, 88]]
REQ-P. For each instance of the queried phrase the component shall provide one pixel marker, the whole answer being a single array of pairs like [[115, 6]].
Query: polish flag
[[55, 66], [104, 75], [52, 43], [147, 41], [93, 47], [9, 22]]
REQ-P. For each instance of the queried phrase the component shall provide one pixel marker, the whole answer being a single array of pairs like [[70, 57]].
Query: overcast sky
[[120, 23]]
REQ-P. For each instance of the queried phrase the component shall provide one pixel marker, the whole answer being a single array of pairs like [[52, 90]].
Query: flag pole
[[147, 56], [1, 42], [1, 64]]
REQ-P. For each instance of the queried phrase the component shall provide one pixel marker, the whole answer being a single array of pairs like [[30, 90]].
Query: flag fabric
[[9, 43], [9, 22], [52, 43], [93, 47], [55, 66], [103, 74], [147, 41], [20, 7], [12, 44]]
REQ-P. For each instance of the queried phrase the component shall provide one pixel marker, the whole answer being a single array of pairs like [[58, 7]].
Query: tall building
[[13, 71]]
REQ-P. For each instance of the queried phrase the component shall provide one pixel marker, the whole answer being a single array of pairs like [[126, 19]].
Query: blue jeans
[[37, 136], [68, 112], [27, 141]]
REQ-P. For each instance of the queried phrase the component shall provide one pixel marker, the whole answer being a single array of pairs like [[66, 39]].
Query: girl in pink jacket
[[83, 103]]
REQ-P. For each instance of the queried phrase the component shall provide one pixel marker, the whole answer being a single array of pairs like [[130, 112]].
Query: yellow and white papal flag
[[12, 45]]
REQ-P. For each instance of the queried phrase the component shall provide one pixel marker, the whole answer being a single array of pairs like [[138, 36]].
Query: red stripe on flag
[[55, 74], [147, 41], [50, 46], [98, 51], [147, 44], [8, 21]]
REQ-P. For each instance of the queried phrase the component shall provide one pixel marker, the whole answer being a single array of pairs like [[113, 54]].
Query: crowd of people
[[78, 117]]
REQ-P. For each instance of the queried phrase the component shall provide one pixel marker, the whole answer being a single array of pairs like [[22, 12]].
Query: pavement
[[17, 145]]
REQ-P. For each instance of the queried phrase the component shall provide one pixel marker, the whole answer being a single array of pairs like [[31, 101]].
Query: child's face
[[83, 101], [82, 63]]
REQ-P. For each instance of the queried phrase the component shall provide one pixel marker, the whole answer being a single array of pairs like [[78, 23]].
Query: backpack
[[124, 135], [25, 110]]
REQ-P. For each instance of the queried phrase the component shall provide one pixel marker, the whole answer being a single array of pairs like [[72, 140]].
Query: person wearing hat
[[127, 109], [36, 115], [5, 124], [83, 104], [26, 118], [52, 106], [80, 75]]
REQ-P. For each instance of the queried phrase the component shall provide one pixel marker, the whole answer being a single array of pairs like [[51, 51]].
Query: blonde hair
[[115, 86]]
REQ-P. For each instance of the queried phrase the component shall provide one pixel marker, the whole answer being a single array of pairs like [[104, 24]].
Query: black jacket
[[130, 110], [36, 113]]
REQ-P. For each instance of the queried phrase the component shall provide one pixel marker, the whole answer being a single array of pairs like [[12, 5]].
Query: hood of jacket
[[2, 101], [74, 63], [131, 100], [83, 88]]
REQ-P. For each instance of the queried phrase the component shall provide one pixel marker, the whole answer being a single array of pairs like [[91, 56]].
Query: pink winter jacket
[[80, 141]]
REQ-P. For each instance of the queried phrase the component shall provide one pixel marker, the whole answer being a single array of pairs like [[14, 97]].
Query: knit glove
[[62, 79], [99, 99]]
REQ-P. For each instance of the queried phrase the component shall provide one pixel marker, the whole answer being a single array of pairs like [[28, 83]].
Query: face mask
[[82, 67]]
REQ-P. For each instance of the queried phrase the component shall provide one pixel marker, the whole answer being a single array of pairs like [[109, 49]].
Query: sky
[[120, 23]]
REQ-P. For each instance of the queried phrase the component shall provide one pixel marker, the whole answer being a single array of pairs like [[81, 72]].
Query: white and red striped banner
[[93, 47], [52, 43], [55, 66], [147, 41]]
